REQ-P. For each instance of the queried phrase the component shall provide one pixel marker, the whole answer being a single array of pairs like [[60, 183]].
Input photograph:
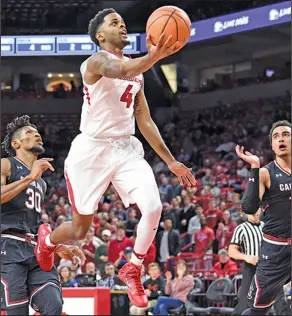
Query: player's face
[[281, 141], [113, 31], [29, 140]]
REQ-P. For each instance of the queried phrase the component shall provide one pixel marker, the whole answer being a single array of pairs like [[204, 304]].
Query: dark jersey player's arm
[[149, 129], [258, 181], [9, 191], [101, 64]]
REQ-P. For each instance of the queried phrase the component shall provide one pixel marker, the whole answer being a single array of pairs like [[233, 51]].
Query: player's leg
[[87, 178], [44, 290], [14, 298], [247, 277], [273, 272], [135, 183]]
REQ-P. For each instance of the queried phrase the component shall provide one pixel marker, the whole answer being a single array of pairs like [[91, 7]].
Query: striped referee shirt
[[249, 237]]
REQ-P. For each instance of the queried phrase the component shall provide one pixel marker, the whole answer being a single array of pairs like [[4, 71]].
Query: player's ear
[[15, 143], [100, 36]]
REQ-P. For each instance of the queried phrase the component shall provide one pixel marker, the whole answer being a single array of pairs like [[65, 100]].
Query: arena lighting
[[50, 75], [71, 75], [60, 75], [74, 45]]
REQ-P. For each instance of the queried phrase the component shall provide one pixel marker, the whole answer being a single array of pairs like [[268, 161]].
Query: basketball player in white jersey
[[106, 150]]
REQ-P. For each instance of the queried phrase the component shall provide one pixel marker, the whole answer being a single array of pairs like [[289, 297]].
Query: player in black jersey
[[22, 193], [271, 187]]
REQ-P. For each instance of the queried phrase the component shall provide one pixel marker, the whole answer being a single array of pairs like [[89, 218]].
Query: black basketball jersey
[[277, 202], [23, 213]]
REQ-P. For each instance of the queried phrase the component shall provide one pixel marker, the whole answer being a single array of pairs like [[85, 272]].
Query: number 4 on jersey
[[127, 96]]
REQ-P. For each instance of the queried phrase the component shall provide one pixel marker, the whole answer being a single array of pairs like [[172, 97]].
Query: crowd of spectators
[[199, 220]]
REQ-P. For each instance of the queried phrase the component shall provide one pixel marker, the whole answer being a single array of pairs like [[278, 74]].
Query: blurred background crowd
[[204, 140], [227, 91]]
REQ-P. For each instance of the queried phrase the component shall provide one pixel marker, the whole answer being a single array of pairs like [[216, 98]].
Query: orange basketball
[[171, 20]]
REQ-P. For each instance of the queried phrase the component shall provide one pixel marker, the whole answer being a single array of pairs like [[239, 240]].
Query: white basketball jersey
[[108, 109]]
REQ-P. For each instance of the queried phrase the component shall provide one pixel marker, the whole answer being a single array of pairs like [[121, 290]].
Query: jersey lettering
[[33, 200], [127, 96]]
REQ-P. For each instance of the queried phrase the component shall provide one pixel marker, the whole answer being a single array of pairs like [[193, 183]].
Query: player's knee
[[49, 301], [55, 308], [156, 208], [153, 207]]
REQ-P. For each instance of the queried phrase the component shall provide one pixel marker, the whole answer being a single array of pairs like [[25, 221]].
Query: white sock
[[136, 260], [48, 242]]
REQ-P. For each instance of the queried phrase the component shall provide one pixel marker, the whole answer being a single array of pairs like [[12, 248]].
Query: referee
[[245, 245]]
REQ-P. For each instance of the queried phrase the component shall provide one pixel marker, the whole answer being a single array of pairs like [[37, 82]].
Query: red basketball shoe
[[130, 274], [44, 254]]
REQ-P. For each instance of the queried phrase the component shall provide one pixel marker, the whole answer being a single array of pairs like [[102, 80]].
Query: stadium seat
[[219, 292]]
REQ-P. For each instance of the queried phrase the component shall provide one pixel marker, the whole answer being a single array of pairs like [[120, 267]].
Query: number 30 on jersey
[[33, 200]]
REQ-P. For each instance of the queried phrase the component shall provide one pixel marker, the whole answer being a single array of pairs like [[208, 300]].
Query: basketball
[[171, 20]]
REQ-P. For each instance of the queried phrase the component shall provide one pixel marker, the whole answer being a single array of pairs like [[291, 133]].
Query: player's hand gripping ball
[[169, 20]]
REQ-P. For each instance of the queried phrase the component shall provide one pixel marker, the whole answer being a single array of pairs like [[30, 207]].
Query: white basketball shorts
[[93, 163]]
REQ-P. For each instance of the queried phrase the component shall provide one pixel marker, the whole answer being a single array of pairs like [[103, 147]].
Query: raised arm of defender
[[258, 181], [101, 65]]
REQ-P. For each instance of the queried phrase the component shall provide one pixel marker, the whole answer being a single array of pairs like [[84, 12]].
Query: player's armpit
[[5, 170]]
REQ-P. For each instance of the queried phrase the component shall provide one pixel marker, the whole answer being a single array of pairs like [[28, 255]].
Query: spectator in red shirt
[[119, 244], [205, 196], [204, 238], [225, 267], [225, 231], [88, 248], [213, 216]]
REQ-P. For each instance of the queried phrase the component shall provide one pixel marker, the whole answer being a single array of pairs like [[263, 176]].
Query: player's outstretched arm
[[9, 191], [151, 133], [258, 181], [101, 64]]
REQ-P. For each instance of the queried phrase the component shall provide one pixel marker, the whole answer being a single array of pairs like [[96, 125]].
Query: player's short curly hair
[[13, 130], [277, 124], [96, 22]]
